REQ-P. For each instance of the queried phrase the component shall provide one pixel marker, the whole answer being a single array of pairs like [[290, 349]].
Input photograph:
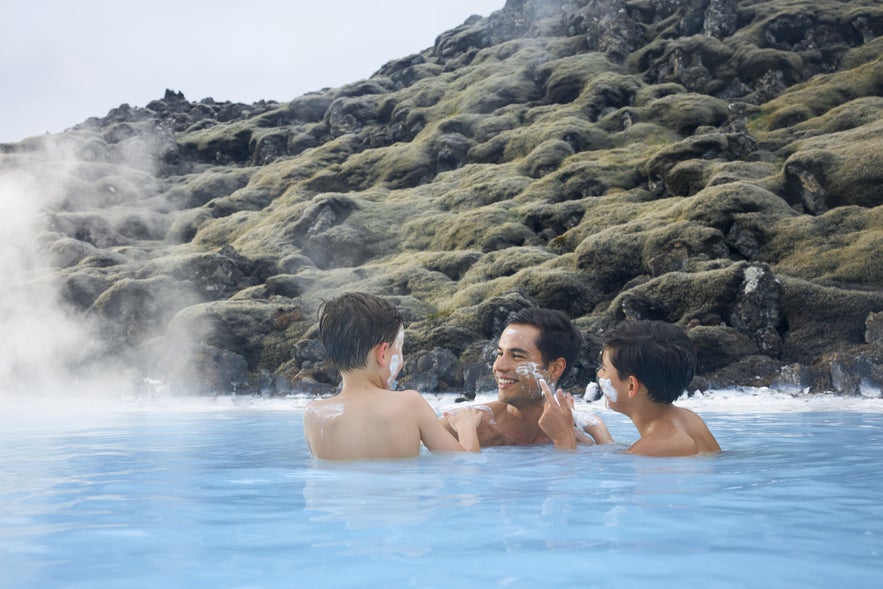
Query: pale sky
[[63, 61]]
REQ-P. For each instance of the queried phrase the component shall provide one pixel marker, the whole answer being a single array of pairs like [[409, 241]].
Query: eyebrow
[[514, 350]]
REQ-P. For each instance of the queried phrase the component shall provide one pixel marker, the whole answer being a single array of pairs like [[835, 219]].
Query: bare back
[[374, 423]]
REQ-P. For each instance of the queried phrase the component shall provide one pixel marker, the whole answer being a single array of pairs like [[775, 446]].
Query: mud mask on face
[[607, 389], [395, 362], [531, 369]]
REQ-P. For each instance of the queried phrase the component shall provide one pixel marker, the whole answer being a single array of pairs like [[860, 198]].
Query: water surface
[[225, 494]]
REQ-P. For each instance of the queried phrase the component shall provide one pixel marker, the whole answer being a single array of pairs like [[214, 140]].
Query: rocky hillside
[[713, 163]]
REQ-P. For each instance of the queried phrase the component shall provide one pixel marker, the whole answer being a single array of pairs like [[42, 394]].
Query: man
[[538, 347], [645, 366]]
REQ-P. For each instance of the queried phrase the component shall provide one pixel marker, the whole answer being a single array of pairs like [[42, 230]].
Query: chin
[[509, 396]]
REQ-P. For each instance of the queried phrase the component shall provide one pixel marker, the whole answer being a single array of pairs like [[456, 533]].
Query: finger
[[547, 392]]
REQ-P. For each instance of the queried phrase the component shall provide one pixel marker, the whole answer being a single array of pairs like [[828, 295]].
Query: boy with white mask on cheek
[[364, 335], [645, 367]]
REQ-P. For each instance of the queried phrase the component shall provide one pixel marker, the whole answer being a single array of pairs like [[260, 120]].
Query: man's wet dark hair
[[353, 323], [558, 337], [657, 353]]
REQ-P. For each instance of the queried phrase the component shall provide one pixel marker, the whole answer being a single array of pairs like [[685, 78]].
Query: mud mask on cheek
[[532, 369], [607, 389], [393, 370], [395, 362]]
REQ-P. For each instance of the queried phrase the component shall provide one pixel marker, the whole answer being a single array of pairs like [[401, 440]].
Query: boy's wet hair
[[353, 323], [558, 337], [657, 353]]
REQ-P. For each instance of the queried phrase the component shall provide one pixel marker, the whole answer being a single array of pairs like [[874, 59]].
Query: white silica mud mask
[[531, 369], [393, 370], [395, 362], [485, 408], [607, 389], [584, 420]]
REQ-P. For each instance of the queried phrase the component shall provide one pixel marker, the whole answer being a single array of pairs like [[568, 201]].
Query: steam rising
[[46, 348]]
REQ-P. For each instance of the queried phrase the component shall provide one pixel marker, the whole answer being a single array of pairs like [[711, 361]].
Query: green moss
[[863, 54], [822, 93], [481, 193], [678, 297], [842, 246], [848, 165], [643, 135], [717, 206], [566, 77], [546, 158], [789, 116], [685, 112], [505, 262], [576, 131], [651, 93], [486, 88]]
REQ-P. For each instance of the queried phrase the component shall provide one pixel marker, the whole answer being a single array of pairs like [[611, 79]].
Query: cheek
[[395, 364], [607, 388]]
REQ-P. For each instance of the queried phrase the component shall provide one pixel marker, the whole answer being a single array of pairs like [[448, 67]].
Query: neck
[[529, 413], [648, 414], [356, 380]]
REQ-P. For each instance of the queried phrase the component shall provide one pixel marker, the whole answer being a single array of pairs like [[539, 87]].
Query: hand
[[469, 417], [593, 425], [557, 418]]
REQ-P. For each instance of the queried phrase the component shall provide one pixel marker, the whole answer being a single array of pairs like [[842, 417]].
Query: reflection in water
[[232, 498], [395, 496]]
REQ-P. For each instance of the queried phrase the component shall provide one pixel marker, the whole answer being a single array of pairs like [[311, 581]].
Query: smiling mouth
[[503, 381]]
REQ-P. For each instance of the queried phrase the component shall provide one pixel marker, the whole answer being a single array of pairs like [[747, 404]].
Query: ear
[[634, 386], [379, 353], [556, 368]]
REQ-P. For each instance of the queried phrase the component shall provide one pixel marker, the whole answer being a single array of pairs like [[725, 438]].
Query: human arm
[[594, 426], [437, 438], [446, 423], [465, 422]]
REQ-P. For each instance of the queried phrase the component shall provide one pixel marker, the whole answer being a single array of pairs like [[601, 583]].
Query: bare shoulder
[[410, 396], [681, 433], [410, 401], [496, 407], [698, 430], [322, 409]]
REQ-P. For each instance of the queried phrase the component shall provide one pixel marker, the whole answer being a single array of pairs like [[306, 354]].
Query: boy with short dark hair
[[363, 335], [645, 367]]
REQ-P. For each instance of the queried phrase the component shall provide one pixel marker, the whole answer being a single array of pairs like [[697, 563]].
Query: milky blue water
[[225, 495]]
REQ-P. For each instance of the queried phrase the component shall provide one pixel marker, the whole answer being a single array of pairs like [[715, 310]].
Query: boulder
[[714, 164]]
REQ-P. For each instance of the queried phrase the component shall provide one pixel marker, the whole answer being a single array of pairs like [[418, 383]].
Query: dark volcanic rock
[[713, 163]]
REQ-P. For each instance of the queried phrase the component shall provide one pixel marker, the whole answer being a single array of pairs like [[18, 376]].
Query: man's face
[[518, 365]]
